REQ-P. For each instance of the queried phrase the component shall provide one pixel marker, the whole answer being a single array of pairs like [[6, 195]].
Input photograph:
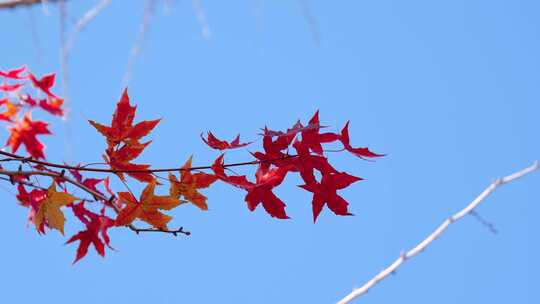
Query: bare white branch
[[201, 17], [136, 49], [84, 21], [437, 233]]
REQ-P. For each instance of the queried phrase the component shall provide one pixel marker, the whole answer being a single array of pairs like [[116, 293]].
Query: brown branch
[[94, 193], [21, 3], [24, 159], [405, 256]]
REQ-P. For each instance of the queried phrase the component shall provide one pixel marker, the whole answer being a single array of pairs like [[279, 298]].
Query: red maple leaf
[[306, 163], [32, 200], [325, 192], [24, 132], [217, 144], [122, 128], [123, 139], [6, 87], [313, 139], [52, 105], [44, 84], [120, 159], [14, 74], [95, 232], [260, 191], [295, 129], [26, 98], [360, 152], [91, 183]]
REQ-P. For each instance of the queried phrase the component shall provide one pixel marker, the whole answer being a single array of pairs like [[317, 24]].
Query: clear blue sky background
[[448, 89]]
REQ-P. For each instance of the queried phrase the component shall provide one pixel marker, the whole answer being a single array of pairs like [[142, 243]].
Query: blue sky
[[448, 89]]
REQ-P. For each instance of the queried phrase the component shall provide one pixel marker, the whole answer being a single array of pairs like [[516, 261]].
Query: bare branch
[[83, 22], [311, 21], [201, 17], [136, 49], [21, 3], [436, 233]]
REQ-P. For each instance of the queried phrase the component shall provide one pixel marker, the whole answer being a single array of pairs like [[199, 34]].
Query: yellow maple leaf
[[49, 209], [146, 208], [189, 183]]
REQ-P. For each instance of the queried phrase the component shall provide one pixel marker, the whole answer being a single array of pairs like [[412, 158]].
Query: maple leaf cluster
[[300, 150], [18, 104], [275, 162]]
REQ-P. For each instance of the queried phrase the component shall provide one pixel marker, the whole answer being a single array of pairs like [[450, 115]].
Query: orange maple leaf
[[146, 208], [49, 209], [189, 183], [123, 139], [11, 110]]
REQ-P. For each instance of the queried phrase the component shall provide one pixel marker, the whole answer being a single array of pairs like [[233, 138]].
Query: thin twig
[[23, 182], [437, 233], [484, 222], [24, 159], [311, 21]]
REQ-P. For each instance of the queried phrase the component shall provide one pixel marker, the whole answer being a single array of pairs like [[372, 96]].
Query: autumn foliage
[[299, 149]]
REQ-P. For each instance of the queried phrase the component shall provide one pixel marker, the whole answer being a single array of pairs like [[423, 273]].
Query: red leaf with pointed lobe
[[325, 192], [360, 152], [313, 139], [120, 160], [91, 183], [32, 200], [44, 84], [14, 74], [53, 106], [122, 128], [123, 131], [259, 192], [26, 98], [24, 132], [305, 163], [6, 87], [217, 144], [95, 233]]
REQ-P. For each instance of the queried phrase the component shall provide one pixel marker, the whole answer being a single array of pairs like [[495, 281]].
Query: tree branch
[[95, 194], [15, 157], [21, 3], [405, 256]]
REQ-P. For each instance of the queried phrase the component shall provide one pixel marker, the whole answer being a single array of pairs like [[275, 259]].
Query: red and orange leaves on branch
[[15, 100], [123, 139], [300, 149]]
